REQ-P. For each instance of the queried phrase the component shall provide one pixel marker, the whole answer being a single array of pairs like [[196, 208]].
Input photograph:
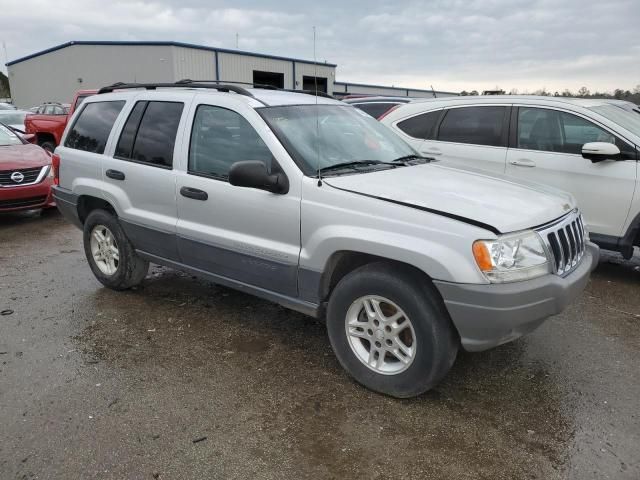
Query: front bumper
[[489, 315], [27, 197]]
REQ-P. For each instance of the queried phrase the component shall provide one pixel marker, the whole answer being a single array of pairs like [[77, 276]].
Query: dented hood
[[499, 202]]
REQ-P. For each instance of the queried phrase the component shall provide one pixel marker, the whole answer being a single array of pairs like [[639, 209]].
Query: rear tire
[[415, 355], [110, 254]]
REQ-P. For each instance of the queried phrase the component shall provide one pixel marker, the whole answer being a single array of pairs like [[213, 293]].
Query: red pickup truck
[[49, 127]]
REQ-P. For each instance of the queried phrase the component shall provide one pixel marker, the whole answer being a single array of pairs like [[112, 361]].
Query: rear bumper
[[29, 197], [67, 203], [489, 315]]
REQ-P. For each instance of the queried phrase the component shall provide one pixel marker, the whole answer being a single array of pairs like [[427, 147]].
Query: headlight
[[511, 258]]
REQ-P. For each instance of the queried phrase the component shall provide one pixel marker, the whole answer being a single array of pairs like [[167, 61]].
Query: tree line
[[583, 92]]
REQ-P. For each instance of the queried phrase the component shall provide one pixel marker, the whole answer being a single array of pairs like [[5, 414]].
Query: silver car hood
[[498, 202]]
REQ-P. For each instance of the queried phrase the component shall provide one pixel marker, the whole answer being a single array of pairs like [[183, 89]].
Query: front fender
[[439, 259]]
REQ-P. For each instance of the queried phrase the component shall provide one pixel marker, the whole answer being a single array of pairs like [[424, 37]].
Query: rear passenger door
[[244, 234], [139, 178], [471, 137]]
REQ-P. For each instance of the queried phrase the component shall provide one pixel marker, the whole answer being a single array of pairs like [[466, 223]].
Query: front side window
[[555, 131], [149, 134], [49, 110], [474, 125], [220, 138], [421, 126], [91, 128]]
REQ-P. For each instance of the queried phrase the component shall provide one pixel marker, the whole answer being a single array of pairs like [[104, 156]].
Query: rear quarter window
[[421, 126], [91, 129]]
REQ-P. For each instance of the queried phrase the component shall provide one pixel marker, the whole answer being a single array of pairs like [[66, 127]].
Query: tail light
[[388, 112], [55, 165]]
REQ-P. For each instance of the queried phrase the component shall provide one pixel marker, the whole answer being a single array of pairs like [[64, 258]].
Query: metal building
[[57, 73], [342, 89]]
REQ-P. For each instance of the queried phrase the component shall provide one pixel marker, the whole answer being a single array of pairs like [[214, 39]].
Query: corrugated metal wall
[[239, 68], [57, 75], [308, 69], [194, 64]]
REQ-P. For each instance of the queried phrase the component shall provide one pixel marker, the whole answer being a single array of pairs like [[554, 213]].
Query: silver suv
[[312, 204]]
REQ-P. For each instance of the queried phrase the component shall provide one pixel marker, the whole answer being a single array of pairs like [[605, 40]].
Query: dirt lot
[[184, 379]]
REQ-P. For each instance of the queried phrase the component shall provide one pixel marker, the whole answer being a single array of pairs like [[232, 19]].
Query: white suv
[[586, 147], [315, 205]]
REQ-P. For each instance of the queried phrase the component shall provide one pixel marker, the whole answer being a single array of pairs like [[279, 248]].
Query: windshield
[[13, 118], [625, 118], [319, 136], [7, 137]]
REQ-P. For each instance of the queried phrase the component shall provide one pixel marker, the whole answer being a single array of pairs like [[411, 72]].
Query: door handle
[[115, 174], [194, 193], [435, 153], [523, 162]]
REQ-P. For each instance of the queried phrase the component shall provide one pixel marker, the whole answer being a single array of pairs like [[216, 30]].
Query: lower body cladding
[[27, 197], [489, 315]]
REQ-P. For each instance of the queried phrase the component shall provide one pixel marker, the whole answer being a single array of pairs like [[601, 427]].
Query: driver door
[[247, 235], [546, 147]]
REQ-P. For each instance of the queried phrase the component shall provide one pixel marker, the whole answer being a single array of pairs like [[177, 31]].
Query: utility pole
[[6, 57]]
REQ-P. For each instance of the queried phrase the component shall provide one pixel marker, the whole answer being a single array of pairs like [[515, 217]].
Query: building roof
[[164, 44], [387, 87]]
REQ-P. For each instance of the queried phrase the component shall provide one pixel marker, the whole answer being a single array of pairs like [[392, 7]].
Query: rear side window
[[91, 129], [221, 137], [149, 135], [421, 126], [474, 125], [375, 109]]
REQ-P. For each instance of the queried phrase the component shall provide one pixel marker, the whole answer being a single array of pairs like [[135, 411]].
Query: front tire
[[110, 254], [390, 330]]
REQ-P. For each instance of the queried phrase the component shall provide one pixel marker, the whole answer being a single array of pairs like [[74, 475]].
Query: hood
[[15, 157], [498, 203]]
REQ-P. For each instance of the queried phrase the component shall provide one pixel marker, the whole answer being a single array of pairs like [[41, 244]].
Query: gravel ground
[[184, 379]]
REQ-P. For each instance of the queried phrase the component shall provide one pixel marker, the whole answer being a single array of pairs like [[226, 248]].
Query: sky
[[451, 45]]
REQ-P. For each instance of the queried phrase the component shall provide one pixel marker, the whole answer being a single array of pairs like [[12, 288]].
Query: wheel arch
[[87, 203]]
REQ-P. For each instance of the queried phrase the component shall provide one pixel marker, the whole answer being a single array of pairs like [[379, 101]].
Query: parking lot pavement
[[183, 379]]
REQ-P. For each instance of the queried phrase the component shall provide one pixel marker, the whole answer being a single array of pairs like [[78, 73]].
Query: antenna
[[434, 92], [315, 81]]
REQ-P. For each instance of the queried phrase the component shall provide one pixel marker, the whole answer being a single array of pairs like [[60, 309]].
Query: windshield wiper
[[411, 157], [356, 163]]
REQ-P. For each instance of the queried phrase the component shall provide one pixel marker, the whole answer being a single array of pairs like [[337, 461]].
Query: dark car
[[25, 173], [377, 106]]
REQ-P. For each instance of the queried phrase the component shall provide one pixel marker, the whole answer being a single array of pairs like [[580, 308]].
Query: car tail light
[[55, 165], [387, 112]]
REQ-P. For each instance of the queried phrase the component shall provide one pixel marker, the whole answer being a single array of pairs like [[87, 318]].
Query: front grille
[[566, 241], [30, 176], [22, 202]]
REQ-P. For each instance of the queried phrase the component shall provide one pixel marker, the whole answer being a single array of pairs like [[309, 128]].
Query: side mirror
[[253, 174], [30, 138], [599, 151]]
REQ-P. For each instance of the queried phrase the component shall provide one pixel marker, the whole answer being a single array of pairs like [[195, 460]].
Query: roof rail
[[187, 81], [179, 84]]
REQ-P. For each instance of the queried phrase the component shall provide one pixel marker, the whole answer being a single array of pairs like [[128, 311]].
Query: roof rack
[[179, 84], [187, 81]]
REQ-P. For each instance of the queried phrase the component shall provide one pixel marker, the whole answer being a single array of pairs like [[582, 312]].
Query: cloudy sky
[[450, 44]]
